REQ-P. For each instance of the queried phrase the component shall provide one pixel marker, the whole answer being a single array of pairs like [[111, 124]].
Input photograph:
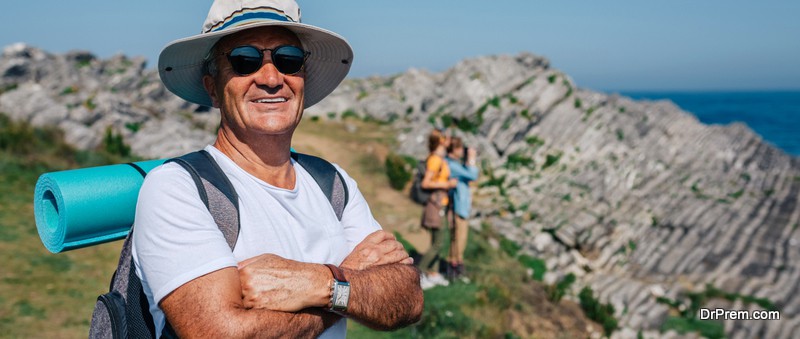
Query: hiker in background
[[437, 180], [298, 269], [464, 170]]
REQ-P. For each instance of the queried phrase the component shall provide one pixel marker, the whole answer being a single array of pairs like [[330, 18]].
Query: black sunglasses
[[246, 60]]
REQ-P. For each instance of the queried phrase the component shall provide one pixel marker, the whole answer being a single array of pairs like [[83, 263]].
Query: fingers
[[397, 256], [248, 261], [378, 237], [263, 257], [389, 252], [378, 248]]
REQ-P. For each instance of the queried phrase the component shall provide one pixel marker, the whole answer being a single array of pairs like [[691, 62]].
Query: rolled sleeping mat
[[88, 206]]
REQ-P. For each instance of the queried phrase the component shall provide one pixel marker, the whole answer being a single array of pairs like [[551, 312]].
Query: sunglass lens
[[245, 59], [288, 59]]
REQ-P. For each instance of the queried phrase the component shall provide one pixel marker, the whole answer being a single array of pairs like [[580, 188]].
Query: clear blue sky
[[603, 45]]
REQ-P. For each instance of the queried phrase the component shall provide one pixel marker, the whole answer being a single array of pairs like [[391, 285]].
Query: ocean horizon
[[774, 115]]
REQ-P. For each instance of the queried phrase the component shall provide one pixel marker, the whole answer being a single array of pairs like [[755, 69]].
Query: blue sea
[[775, 115]]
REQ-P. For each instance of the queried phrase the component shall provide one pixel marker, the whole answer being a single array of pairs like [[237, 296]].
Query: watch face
[[342, 295]]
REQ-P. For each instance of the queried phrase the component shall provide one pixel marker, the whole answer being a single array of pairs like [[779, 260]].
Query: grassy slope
[[43, 295], [500, 300], [47, 295]]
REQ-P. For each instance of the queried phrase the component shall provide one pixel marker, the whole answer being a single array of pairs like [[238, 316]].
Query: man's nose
[[268, 75]]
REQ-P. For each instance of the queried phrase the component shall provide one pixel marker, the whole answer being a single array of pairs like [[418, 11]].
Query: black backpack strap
[[328, 178], [215, 190]]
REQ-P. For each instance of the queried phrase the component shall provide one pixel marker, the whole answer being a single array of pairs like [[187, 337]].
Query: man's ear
[[208, 83]]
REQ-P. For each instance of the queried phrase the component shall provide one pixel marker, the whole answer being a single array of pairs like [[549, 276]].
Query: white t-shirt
[[176, 239]]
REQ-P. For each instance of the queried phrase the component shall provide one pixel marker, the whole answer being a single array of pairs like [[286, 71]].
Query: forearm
[[472, 173], [239, 322], [211, 306], [262, 323], [385, 297], [464, 173], [435, 185]]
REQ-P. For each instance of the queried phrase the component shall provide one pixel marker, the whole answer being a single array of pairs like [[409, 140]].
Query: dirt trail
[[362, 154]]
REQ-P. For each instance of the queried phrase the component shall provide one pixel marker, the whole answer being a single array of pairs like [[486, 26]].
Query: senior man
[[261, 67]]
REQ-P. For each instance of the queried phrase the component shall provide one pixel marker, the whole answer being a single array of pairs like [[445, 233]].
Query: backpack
[[418, 194], [124, 312]]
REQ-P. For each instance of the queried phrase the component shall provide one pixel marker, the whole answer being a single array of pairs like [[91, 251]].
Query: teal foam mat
[[88, 206]]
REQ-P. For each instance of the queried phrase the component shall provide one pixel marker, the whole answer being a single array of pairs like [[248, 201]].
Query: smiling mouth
[[270, 100]]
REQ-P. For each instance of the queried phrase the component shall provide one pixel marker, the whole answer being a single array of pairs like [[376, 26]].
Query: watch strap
[[338, 274]]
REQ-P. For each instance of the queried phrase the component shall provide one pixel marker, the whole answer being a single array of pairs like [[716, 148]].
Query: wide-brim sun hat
[[181, 62]]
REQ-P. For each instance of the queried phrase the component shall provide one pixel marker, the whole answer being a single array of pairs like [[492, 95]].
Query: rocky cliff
[[655, 211], [85, 96]]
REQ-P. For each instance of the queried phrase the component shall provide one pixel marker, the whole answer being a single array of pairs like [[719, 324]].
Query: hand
[[378, 248], [279, 284], [452, 183], [472, 155]]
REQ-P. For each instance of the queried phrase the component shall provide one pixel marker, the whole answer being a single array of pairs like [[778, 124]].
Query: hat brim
[[180, 64]]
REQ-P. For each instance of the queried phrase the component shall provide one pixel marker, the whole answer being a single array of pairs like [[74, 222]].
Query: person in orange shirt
[[437, 179]]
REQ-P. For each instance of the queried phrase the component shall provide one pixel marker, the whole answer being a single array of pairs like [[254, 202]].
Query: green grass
[[706, 328], [534, 141], [349, 114], [526, 114], [89, 104], [69, 90], [519, 159], [538, 266], [597, 311], [560, 289], [737, 194], [48, 295], [551, 160], [499, 286], [8, 88], [509, 247], [113, 143], [399, 169], [136, 126]]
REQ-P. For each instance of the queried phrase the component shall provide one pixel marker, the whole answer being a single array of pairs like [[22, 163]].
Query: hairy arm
[[211, 306], [385, 297], [384, 285]]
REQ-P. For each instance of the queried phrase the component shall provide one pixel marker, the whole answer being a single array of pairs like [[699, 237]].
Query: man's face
[[266, 102]]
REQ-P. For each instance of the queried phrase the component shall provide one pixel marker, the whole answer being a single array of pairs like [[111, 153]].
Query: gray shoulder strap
[[215, 190], [328, 178]]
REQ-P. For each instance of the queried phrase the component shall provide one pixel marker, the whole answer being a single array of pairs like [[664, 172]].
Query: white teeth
[[270, 100]]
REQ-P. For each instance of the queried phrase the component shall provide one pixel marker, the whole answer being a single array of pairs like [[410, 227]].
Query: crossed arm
[[269, 296]]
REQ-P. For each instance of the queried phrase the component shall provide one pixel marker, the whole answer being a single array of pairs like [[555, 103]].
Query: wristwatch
[[341, 289]]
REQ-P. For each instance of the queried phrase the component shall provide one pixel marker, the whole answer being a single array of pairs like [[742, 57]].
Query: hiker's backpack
[[418, 194], [124, 312]]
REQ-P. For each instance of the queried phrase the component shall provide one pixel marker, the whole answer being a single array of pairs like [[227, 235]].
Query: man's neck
[[266, 157]]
